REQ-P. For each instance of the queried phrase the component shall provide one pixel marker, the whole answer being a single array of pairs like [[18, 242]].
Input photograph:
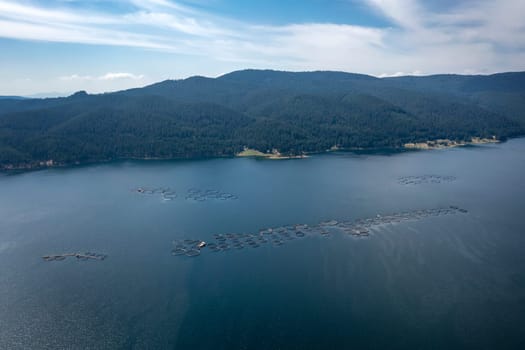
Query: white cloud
[[403, 12], [76, 77], [107, 76], [183, 24], [400, 74], [474, 36], [79, 34], [22, 12], [481, 36], [115, 76]]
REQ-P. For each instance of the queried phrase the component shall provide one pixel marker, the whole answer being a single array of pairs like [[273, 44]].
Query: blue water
[[447, 282]]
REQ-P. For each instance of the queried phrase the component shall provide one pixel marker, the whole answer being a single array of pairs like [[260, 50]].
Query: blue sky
[[105, 45]]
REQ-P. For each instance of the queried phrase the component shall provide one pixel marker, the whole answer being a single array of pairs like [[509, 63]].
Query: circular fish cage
[[193, 252], [178, 251]]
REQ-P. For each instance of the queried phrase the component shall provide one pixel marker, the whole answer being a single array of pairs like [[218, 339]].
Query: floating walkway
[[166, 193], [278, 236], [189, 247], [79, 256], [199, 195], [193, 194], [424, 179]]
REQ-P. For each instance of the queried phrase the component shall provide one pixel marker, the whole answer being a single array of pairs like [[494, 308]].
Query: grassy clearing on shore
[[253, 153]]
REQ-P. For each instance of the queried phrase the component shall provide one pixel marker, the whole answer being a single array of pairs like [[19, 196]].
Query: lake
[[423, 281]]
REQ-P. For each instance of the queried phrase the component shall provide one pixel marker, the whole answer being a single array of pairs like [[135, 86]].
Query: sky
[[60, 46]]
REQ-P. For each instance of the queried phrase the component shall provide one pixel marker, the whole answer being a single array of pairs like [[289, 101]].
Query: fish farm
[[166, 193], [278, 236], [199, 195], [424, 179], [193, 194], [79, 256]]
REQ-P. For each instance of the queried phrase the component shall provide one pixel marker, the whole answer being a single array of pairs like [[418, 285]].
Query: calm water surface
[[447, 282]]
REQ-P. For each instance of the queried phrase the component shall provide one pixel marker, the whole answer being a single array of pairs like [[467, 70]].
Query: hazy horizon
[[53, 94]]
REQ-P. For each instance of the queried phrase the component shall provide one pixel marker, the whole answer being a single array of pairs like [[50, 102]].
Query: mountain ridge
[[292, 112]]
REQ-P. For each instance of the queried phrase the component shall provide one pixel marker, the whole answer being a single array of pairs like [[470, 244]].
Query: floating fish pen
[[193, 252], [200, 195], [329, 223], [79, 256], [424, 179], [166, 193], [360, 228], [193, 194], [359, 232], [178, 251]]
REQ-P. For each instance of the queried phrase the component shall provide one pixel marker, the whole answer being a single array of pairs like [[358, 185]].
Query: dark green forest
[[264, 110]]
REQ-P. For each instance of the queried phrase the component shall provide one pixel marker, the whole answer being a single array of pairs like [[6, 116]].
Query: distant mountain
[[12, 98], [260, 109]]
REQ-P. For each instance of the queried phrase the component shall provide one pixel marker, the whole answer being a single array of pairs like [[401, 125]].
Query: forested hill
[[264, 110]]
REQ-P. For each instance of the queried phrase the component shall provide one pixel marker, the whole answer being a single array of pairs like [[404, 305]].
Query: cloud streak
[[482, 36], [107, 76]]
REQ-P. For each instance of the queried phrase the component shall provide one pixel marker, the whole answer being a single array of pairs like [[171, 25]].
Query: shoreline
[[275, 155], [427, 145], [446, 143]]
